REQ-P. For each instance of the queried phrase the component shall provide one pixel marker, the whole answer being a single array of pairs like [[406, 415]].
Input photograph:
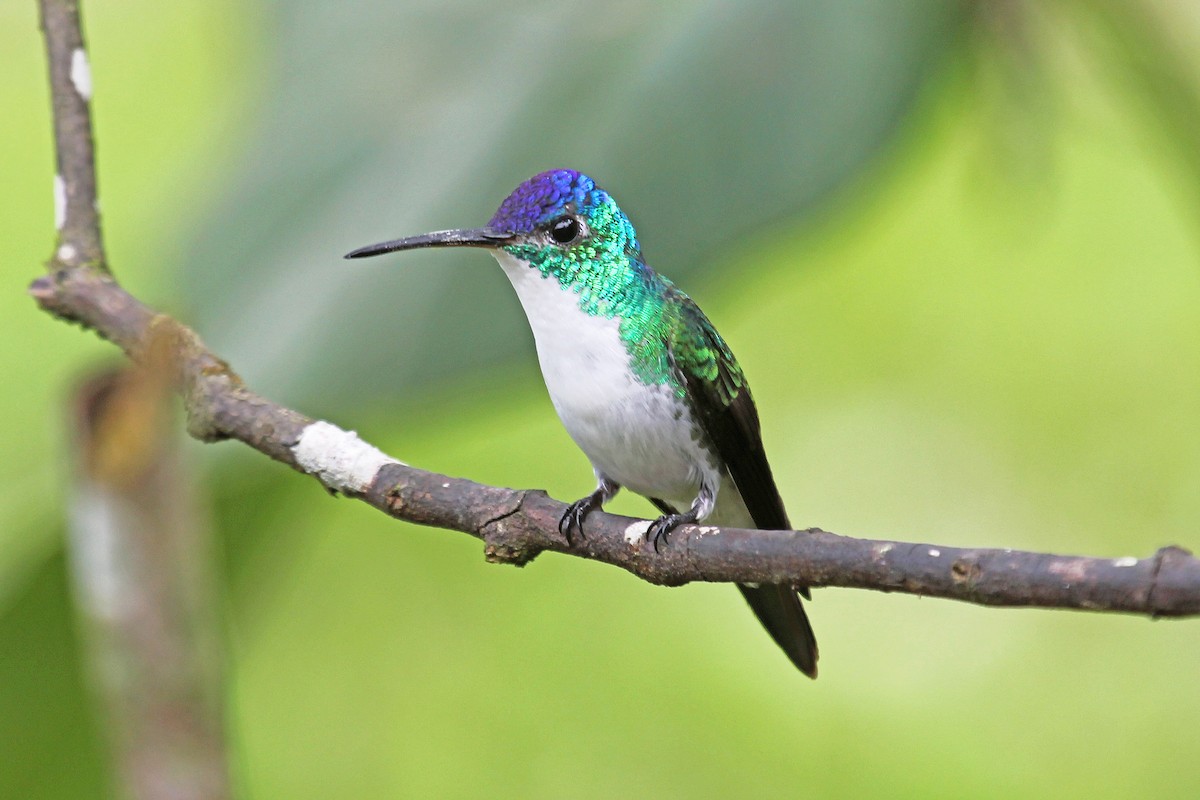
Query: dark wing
[[725, 411]]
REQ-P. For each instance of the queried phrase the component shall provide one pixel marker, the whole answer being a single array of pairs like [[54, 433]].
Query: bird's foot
[[664, 525], [572, 519]]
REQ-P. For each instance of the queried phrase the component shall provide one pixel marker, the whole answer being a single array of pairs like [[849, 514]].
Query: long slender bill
[[471, 237]]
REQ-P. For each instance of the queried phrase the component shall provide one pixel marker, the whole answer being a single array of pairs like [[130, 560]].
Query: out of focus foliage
[[708, 121], [954, 246]]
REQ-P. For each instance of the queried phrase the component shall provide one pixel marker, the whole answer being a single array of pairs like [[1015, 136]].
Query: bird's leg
[[575, 514], [702, 506]]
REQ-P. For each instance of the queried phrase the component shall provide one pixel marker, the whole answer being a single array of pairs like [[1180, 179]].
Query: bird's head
[[558, 222]]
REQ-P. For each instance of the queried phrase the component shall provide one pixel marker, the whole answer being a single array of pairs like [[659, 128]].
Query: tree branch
[[518, 525], [139, 554], [75, 212], [143, 578]]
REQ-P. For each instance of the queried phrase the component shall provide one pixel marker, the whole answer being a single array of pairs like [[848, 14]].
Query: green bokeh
[[958, 348]]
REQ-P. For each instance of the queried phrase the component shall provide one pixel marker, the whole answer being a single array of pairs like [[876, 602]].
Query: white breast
[[640, 436]]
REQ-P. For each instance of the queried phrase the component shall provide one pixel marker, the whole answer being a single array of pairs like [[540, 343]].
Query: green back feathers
[[669, 339]]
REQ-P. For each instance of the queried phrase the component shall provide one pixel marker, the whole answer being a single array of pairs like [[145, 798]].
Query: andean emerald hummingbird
[[640, 378]]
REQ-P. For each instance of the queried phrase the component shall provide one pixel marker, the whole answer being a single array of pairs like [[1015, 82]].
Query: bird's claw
[[663, 526], [572, 519]]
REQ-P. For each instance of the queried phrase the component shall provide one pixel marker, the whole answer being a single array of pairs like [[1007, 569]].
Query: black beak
[[473, 237]]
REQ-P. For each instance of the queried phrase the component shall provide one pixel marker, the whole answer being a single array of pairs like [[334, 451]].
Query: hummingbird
[[640, 378]]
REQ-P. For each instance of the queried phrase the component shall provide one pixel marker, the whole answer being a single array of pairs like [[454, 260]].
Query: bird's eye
[[565, 230]]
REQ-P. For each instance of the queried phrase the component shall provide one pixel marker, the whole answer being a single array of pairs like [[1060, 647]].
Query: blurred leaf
[[708, 121], [1033, 60], [1152, 47], [52, 744]]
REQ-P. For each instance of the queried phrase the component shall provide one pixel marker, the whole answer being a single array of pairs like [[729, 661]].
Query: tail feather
[[779, 610]]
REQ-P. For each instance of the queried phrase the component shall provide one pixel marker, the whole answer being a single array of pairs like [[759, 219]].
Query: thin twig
[[75, 209]]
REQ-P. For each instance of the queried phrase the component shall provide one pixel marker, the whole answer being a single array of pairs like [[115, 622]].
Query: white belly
[[640, 436]]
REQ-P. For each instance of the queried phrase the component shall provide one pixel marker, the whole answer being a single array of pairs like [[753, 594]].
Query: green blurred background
[[954, 246]]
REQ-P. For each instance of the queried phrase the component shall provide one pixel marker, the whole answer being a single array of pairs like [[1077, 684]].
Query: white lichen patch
[[636, 532], [81, 73], [1127, 561], [339, 458], [60, 202], [708, 530]]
